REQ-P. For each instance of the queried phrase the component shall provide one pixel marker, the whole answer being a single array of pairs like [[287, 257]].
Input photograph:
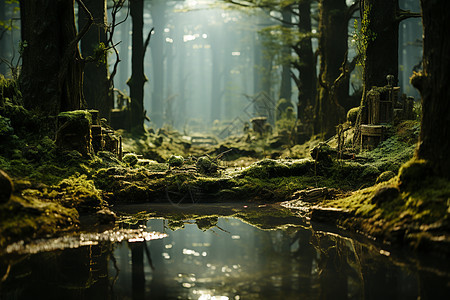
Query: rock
[[205, 165], [6, 187], [74, 132], [322, 153], [175, 161], [311, 195], [106, 216], [385, 176], [385, 194], [352, 115], [328, 214], [130, 158]]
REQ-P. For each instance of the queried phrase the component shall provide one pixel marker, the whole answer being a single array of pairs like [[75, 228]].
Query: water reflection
[[230, 260]]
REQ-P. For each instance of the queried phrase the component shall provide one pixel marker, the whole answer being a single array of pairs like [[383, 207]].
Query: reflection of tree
[[137, 270], [332, 270], [158, 289], [73, 273], [304, 257]]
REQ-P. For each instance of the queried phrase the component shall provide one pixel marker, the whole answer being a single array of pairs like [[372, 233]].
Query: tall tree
[[434, 140], [333, 88], [306, 66], [3, 30], [51, 77], [380, 21], [286, 80], [138, 79], [96, 83], [158, 13]]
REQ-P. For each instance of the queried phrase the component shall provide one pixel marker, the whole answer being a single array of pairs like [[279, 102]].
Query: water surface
[[222, 256]]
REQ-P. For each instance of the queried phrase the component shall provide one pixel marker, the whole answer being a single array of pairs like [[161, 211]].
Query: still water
[[220, 256]]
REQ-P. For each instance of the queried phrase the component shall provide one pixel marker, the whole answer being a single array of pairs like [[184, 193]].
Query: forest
[[176, 149]]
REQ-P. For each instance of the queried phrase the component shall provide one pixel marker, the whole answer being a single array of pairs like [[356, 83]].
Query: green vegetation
[[55, 187]]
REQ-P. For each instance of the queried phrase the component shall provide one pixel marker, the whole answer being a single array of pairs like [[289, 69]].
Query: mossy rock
[[266, 168], [206, 223], [206, 165], [322, 153], [175, 161], [130, 159], [133, 193], [352, 115], [385, 176], [413, 174]]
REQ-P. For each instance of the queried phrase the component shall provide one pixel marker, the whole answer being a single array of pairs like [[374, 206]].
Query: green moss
[[130, 158], [75, 115], [415, 174], [385, 176], [206, 165], [175, 161]]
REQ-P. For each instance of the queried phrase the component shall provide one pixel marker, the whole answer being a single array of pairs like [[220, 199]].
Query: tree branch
[[406, 14], [352, 9], [147, 40], [71, 48]]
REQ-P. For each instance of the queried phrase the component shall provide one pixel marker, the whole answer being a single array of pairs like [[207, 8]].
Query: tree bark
[[138, 79], [3, 41], [157, 52], [434, 140], [96, 85], [286, 85], [51, 76], [333, 46], [381, 57], [307, 67]]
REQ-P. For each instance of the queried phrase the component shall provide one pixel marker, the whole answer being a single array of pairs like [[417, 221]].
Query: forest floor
[[377, 193]]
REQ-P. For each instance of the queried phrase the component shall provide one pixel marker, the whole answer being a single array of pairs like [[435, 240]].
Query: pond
[[237, 251]]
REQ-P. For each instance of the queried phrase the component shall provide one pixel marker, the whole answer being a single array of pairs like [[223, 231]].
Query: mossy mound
[[411, 208]]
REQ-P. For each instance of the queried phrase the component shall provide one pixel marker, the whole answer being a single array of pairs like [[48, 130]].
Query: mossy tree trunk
[[306, 81], [432, 82], [381, 56], [138, 79], [96, 85], [333, 47], [379, 46], [51, 76]]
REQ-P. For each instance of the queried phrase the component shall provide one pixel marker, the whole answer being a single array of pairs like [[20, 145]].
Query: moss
[[175, 161], [385, 176], [75, 115], [414, 174], [206, 165], [130, 158], [206, 223], [31, 217], [266, 168], [352, 115]]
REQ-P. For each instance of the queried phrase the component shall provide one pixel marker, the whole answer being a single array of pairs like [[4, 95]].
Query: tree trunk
[[434, 140], [157, 52], [307, 67], [286, 85], [333, 29], [138, 79], [96, 85], [380, 46], [51, 76], [3, 41], [217, 54], [381, 57]]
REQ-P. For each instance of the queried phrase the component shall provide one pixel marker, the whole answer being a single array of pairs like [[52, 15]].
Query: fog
[[207, 61]]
